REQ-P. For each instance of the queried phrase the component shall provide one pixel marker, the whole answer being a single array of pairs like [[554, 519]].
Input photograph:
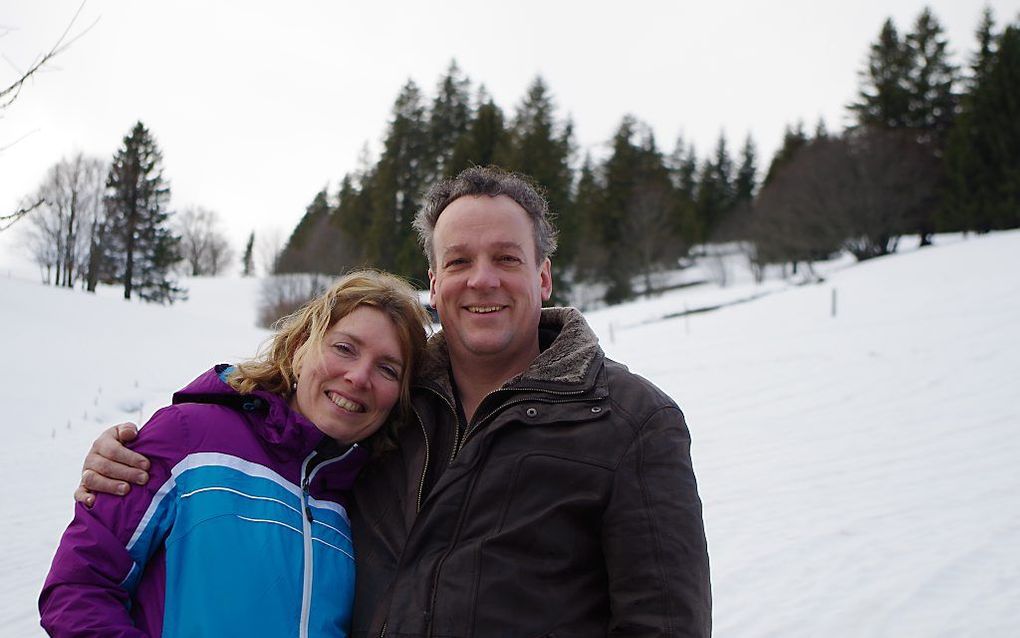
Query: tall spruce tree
[[930, 82], [396, 186], [540, 147], [983, 157], [486, 141], [448, 121], [141, 247], [793, 139], [884, 96], [304, 250], [716, 193], [747, 173]]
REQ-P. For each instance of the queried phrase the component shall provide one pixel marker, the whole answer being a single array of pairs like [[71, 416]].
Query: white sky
[[258, 105]]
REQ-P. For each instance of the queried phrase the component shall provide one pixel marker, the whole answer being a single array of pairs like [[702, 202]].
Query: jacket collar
[[569, 359]]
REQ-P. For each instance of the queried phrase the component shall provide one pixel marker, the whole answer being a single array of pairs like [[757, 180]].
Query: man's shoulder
[[633, 392]]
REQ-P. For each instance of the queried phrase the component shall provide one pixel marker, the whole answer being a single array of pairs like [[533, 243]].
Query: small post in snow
[[612, 337], [834, 301], [687, 320]]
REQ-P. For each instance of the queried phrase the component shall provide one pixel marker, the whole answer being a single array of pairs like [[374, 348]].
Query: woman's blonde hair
[[272, 369]]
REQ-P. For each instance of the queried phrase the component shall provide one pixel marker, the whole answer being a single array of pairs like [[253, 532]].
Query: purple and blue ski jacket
[[240, 531]]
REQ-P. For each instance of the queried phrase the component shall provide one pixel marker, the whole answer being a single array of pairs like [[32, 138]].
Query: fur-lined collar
[[567, 360]]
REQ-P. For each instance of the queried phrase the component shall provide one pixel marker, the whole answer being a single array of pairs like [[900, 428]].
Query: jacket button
[[596, 409], [531, 412]]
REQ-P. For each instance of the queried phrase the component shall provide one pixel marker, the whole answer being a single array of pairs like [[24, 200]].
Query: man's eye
[[455, 262], [510, 259]]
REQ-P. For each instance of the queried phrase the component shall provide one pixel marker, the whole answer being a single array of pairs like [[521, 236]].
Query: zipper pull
[[304, 490]]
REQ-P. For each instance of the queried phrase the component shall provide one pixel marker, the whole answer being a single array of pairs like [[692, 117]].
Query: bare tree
[[650, 225], [205, 248], [858, 192], [69, 224], [268, 248]]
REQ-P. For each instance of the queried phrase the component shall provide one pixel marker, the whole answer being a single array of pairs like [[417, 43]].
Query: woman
[[241, 529]]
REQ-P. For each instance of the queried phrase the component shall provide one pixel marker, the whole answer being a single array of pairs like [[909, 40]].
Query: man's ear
[[432, 289], [545, 279]]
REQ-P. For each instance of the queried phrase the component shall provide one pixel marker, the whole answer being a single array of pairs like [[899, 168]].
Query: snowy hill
[[860, 472]]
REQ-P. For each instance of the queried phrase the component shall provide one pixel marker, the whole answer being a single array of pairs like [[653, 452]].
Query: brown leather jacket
[[567, 507]]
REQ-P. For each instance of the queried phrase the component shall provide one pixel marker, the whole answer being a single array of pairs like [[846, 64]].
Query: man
[[545, 490]]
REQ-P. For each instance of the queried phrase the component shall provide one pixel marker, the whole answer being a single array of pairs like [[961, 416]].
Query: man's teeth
[[482, 309], [341, 402]]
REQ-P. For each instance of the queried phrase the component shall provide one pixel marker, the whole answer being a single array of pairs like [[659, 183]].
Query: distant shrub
[[281, 295]]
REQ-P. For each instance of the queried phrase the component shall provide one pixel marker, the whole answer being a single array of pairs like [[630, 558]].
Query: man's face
[[487, 284]]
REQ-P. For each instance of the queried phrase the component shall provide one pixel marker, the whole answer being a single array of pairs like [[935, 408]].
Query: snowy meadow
[[859, 470]]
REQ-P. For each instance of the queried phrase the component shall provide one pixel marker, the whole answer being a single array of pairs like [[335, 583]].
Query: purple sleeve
[[89, 589]]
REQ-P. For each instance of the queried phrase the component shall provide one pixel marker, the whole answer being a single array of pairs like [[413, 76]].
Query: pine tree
[[716, 193], [448, 121], [884, 96], [931, 77], [248, 261], [793, 140], [302, 252], [486, 141], [983, 157], [142, 247], [747, 173], [396, 186], [540, 147]]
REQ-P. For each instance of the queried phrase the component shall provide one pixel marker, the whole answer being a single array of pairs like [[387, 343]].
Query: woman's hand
[[110, 467]]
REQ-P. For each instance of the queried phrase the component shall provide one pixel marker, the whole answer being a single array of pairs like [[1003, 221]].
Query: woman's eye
[[390, 372], [343, 348]]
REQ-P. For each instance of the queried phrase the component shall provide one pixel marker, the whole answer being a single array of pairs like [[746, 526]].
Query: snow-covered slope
[[860, 472]]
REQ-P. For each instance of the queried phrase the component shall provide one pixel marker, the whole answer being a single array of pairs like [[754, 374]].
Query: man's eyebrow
[[500, 245]]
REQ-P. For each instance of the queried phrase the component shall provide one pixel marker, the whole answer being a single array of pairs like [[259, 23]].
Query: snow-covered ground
[[860, 472]]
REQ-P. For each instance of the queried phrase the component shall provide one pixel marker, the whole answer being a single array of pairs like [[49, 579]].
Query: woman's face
[[348, 385]]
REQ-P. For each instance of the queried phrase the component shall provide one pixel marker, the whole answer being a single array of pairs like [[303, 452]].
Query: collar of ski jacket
[[569, 357], [289, 434]]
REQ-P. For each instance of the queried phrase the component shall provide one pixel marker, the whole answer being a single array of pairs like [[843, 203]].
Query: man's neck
[[475, 377]]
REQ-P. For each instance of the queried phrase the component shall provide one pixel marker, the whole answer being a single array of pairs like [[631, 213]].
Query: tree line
[[932, 148]]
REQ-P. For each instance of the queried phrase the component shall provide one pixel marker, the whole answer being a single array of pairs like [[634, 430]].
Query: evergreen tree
[[486, 141], [747, 174], [983, 157], [684, 169], [884, 97], [142, 248], [793, 140], [302, 252], [985, 53], [932, 105], [248, 260], [716, 192], [396, 186], [449, 119], [540, 147]]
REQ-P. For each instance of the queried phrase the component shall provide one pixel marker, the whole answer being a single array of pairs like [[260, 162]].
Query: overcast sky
[[258, 105]]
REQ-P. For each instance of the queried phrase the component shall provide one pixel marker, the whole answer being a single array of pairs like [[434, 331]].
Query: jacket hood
[[288, 432], [569, 355]]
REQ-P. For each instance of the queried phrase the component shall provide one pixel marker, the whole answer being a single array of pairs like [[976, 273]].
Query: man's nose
[[483, 275]]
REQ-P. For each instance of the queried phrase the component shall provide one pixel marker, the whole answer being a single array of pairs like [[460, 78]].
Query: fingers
[[110, 447], [85, 497], [92, 481]]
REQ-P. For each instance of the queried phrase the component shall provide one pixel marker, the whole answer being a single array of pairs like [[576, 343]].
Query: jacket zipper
[[458, 445], [306, 533]]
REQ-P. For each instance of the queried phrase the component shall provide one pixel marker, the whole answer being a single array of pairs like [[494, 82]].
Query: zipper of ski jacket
[[306, 533]]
